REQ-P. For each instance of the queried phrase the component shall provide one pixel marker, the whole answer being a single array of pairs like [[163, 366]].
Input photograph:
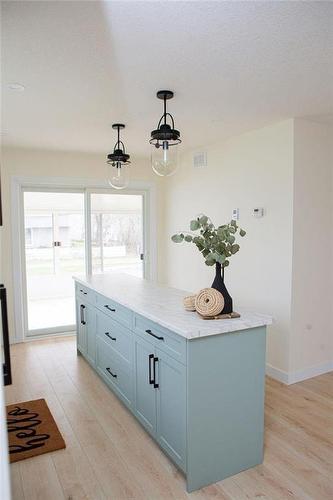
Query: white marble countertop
[[164, 305]]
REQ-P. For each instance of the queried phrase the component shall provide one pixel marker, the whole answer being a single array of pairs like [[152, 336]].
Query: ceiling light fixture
[[118, 173], [165, 139], [17, 87]]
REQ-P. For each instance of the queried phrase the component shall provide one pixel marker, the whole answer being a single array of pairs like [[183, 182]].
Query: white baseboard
[[289, 378], [277, 374], [313, 371]]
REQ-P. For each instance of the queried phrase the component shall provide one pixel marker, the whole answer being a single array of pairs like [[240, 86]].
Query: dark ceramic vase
[[219, 285]]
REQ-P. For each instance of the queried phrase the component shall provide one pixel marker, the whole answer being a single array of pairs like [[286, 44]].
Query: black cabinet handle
[[85, 293], [82, 307], [112, 374], [153, 335], [110, 308], [108, 335], [156, 386], [151, 380]]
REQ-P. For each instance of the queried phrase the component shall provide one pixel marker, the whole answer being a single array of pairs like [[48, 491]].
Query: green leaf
[[231, 239], [188, 238], [209, 262], [177, 238], [234, 249], [203, 220], [242, 232], [226, 264], [194, 225], [233, 223], [211, 257], [221, 259]]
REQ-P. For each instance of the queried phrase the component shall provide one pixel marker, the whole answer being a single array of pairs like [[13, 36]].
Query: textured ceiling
[[234, 66]]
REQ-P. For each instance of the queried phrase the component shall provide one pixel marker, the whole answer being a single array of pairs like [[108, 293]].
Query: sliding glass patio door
[[69, 232], [54, 233], [117, 242]]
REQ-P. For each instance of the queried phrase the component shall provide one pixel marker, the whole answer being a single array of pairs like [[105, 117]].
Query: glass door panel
[[54, 251], [117, 233]]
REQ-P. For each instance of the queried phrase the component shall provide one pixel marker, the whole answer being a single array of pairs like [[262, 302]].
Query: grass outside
[[37, 267]]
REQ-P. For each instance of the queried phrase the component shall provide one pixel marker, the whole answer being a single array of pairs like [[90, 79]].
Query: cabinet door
[[90, 318], [81, 330], [171, 407], [145, 394]]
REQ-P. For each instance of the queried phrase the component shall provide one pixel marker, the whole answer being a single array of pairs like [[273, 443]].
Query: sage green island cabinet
[[196, 386]]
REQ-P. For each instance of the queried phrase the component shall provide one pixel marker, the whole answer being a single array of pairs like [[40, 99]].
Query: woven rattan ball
[[209, 302], [189, 303]]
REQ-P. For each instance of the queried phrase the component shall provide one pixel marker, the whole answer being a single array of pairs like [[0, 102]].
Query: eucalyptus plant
[[216, 244]]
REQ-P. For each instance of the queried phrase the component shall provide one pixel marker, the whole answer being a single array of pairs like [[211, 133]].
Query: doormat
[[32, 430]]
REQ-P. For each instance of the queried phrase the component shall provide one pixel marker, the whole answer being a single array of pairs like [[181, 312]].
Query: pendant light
[[164, 141], [118, 172]]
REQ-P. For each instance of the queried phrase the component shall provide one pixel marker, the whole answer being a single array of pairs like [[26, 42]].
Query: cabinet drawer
[[115, 371], [117, 336], [114, 310], [161, 337], [85, 293]]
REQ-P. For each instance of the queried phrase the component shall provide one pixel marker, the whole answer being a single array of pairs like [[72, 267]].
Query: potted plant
[[217, 245]]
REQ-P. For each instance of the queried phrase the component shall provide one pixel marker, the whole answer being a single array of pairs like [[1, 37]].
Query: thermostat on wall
[[235, 214], [258, 212]]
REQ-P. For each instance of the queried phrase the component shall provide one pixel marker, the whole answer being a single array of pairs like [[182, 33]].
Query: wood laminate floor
[[109, 455]]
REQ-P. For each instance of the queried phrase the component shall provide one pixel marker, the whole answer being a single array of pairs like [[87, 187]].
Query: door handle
[[114, 375], [156, 386], [151, 380], [82, 307], [153, 335], [110, 308], [108, 335]]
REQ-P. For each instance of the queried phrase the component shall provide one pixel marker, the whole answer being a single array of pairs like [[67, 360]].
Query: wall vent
[[200, 159]]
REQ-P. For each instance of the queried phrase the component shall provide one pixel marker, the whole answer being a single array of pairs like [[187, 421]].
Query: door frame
[[19, 184]]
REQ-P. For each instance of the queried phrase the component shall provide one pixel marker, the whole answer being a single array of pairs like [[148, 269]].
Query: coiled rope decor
[[189, 303], [209, 302]]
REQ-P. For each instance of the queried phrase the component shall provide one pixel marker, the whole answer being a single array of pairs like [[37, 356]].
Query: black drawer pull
[[82, 320], [108, 335], [110, 308], [112, 374], [85, 293], [156, 386], [151, 380], [153, 335]]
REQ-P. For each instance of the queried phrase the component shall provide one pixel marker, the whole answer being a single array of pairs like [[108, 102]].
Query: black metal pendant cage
[[165, 132], [119, 156]]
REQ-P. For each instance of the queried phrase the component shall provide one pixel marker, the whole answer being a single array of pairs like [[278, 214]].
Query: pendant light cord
[[165, 112]]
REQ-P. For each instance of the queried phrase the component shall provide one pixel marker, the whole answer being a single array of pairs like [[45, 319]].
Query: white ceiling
[[234, 66]]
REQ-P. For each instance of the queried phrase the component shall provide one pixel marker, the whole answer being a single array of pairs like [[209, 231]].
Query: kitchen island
[[197, 386]]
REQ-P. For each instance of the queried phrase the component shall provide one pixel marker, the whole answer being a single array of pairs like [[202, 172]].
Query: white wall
[[311, 348], [285, 265], [25, 162], [251, 170]]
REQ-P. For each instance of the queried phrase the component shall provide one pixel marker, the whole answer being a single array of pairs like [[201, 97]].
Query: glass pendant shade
[[118, 176], [164, 141], [118, 163], [164, 159]]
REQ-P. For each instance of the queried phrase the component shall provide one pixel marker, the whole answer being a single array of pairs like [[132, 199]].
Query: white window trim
[[88, 185]]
